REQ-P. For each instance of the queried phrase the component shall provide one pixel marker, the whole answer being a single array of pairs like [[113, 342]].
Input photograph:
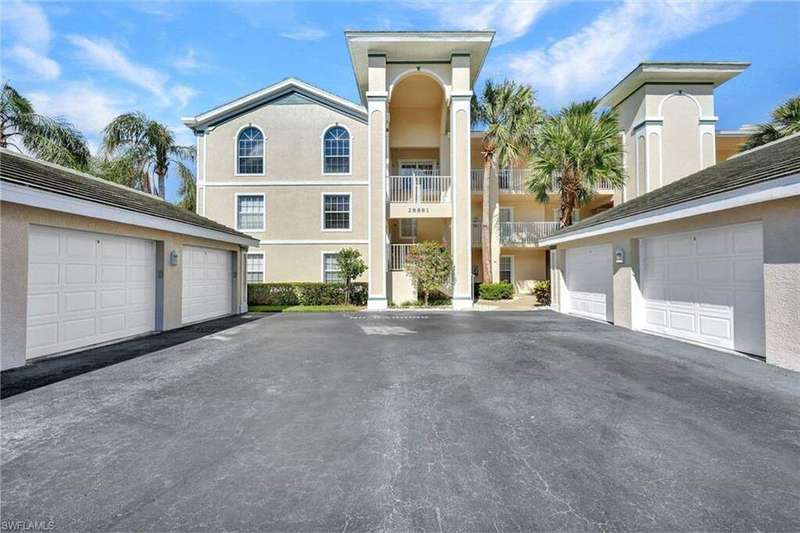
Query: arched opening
[[417, 126]]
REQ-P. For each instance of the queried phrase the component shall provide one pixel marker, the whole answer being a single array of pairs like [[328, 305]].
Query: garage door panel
[[207, 283], [713, 291], [589, 281], [76, 285]]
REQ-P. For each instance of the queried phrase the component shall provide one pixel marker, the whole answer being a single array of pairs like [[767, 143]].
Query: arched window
[[250, 151], [336, 151]]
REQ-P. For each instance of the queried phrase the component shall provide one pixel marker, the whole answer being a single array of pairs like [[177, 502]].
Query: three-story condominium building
[[308, 173]]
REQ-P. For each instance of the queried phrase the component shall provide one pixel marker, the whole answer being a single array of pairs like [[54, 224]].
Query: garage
[[707, 286], [87, 288], [589, 280], [207, 283]]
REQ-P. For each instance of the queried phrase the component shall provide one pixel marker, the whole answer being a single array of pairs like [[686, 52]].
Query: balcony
[[419, 196], [515, 181], [518, 234]]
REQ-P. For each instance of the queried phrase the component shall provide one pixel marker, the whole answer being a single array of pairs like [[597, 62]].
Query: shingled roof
[[769, 162], [25, 171]]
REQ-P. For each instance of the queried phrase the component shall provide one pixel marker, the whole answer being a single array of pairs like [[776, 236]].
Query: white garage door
[[207, 283], [87, 288], [707, 286], [589, 281]]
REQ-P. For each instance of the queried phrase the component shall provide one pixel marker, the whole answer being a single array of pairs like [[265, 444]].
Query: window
[[506, 214], [336, 212], [250, 151], [250, 212], [336, 151], [255, 268], [506, 268], [330, 268], [408, 228]]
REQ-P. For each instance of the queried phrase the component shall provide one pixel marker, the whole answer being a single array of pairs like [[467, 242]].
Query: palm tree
[[51, 139], [785, 121], [187, 191], [149, 146], [509, 114], [576, 150]]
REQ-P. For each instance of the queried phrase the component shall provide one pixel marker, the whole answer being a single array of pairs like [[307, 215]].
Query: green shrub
[[541, 289], [301, 293], [496, 291]]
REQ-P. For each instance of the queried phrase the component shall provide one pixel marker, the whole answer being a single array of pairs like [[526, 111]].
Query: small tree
[[350, 267], [429, 264]]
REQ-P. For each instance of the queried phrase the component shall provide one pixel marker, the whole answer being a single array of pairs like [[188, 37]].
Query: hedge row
[[496, 291], [302, 293]]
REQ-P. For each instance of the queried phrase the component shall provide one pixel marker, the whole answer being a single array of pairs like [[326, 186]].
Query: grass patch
[[303, 308]]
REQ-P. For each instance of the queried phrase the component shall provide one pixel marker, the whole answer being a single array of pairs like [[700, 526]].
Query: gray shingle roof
[[22, 170], [779, 159]]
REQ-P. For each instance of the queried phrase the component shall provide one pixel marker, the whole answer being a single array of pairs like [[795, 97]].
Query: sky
[[90, 61]]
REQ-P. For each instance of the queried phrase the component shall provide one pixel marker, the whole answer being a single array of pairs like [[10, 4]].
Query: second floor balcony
[[420, 195], [518, 234]]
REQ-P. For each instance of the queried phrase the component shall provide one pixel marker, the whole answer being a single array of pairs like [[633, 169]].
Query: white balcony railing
[[515, 181], [517, 233], [525, 233], [419, 189], [399, 255]]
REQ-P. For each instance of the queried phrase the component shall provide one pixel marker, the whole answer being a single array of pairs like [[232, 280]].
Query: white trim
[[300, 183], [266, 92], [205, 171], [29, 196], [322, 151], [263, 255], [322, 263], [236, 151], [236, 211], [314, 241], [680, 93], [776, 189], [322, 211]]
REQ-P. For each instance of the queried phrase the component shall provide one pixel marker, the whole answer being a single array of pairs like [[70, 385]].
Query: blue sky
[[89, 62]]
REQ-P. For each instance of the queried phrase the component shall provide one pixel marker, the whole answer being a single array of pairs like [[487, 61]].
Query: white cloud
[[103, 55], [509, 19], [26, 26], [591, 60], [183, 94], [87, 107], [187, 62], [41, 66], [305, 33]]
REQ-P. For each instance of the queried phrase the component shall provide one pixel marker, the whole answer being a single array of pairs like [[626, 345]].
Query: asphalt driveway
[[402, 421]]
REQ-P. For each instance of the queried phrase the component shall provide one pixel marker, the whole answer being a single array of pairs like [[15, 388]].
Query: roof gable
[[290, 91], [766, 163]]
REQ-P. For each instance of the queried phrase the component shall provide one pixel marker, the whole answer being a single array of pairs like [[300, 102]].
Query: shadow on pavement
[[40, 373]]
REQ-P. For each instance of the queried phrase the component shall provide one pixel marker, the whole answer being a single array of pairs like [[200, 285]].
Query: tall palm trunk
[[162, 178], [568, 198], [486, 229]]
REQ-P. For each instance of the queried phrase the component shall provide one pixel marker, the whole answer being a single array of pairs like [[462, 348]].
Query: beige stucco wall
[[293, 143], [299, 262], [16, 220], [529, 266], [781, 237], [293, 212]]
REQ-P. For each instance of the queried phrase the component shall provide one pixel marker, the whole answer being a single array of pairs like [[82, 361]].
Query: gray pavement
[[404, 421]]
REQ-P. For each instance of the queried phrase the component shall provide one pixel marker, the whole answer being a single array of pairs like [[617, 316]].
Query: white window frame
[[263, 265], [511, 209], [405, 236], [322, 212], [236, 211], [511, 257], [416, 162], [322, 151], [322, 264], [236, 151]]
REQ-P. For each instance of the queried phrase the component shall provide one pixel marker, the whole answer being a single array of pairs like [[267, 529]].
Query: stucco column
[[377, 227], [461, 223], [494, 226]]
